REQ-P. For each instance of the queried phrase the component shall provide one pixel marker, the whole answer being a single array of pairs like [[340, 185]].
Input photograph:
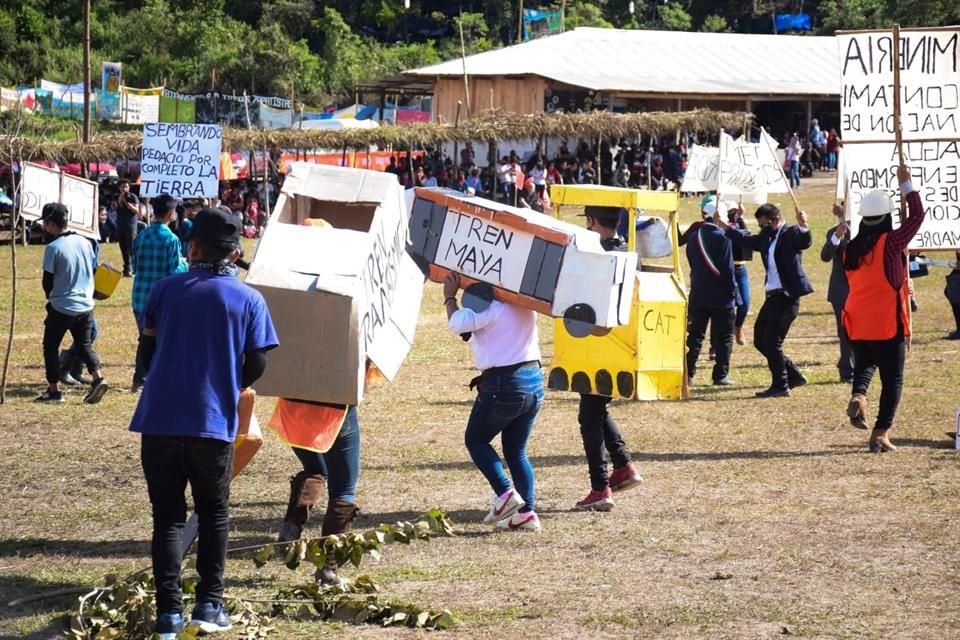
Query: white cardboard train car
[[522, 257], [342, 295]]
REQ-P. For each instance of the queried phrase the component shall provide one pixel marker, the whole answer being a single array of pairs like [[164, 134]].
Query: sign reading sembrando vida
[[930, 121], [181, 160], [484, 250]]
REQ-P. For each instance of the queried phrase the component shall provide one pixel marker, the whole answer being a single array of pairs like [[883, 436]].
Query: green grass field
[[757, 518]]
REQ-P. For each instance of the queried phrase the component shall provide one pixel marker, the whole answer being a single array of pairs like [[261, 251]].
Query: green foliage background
[[320, 49]]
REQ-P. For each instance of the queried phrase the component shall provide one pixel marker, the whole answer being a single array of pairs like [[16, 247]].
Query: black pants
[[139, 370], [845, 363], [770, 330], [956, 313], [888, 356], [601, 436], [54, 328], [721, 338], [126, 233], [169, 463]]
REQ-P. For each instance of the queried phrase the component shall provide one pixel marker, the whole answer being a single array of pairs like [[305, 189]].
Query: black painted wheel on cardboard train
[[580, 320]]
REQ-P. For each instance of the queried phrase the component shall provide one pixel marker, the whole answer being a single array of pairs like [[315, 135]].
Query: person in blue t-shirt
[[205, 334], [68, 264]]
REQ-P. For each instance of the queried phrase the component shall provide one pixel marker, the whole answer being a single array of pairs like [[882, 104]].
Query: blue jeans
[[341, 464], [832, 160], [743, 284], [507, 404], [795, 173]]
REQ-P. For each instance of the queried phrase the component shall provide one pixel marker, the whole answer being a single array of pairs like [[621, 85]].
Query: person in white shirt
[[539, 175], [780, 246], [509, 395]]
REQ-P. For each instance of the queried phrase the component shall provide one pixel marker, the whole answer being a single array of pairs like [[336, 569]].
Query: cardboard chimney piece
[[338, 296], [530, 259]]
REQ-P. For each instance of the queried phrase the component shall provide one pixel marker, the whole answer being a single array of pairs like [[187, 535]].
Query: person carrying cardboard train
[[601, 435]]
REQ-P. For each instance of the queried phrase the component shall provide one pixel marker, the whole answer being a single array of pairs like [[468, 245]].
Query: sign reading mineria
[[929, 102]]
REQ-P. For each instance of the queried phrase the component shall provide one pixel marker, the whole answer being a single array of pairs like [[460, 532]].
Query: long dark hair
[[865, 241]]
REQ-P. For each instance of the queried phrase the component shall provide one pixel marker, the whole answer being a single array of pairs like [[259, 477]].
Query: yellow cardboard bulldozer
[[644, 360]]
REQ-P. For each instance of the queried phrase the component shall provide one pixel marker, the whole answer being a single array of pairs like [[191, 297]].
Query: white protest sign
[[748, 167], [930, 119], [39, 185], [484, 250], [701, 173], [182, 160], [80, 197]]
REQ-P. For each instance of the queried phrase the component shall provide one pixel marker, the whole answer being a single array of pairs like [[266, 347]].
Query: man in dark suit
[[838, 289], [780, 246], [713, 293]]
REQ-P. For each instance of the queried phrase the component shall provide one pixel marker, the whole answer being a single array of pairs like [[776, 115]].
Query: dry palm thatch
[[493, 126]]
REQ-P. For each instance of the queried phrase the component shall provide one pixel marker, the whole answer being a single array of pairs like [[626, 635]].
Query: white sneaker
[[520, 522], [504, 507]]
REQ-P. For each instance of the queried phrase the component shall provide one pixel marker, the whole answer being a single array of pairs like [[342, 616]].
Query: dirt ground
[[756, 519]]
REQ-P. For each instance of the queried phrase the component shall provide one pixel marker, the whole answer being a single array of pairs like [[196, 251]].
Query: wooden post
[[463, 60], [898, 137], [456, 145], [520, 24], [86, 86]]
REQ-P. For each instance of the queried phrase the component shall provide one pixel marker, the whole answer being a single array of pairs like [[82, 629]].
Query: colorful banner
[[177, 110], [110, 76], [108, 105], [537, 23], [140, 106]]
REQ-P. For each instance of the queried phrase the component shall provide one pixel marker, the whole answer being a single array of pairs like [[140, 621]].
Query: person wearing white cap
[[713, 292], [876, 313]]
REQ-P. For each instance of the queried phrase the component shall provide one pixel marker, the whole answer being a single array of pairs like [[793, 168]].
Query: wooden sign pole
[[898, 137]]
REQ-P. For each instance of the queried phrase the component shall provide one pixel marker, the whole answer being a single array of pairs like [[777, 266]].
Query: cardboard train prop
[[341, 294], [521, 257]]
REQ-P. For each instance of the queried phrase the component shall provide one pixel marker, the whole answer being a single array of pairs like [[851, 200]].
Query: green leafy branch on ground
[[124, 608], [351, 547]]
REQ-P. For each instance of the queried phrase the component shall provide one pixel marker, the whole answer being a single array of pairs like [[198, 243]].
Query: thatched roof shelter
[[491, 126]]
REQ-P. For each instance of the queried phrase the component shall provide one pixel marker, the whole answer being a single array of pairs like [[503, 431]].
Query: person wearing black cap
[[68, 265], [205, 338], [599, 431]]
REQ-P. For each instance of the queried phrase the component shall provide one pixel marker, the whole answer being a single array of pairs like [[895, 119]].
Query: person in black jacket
[[780, 246], [838, 289], [713, 295]]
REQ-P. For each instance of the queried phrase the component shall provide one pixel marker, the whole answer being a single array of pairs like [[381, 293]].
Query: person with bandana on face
[[781, 246], [876, 314]]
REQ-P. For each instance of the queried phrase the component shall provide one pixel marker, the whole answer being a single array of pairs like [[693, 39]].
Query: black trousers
[[956, 313], [139, 369], [55, 327], [169, 463], [845, 363], [126, 233], [721, 338], [888, 356], [770, 330], [601, 436]]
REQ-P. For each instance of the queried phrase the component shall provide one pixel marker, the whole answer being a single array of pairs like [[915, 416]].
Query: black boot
[[339, 519], [305, 491]]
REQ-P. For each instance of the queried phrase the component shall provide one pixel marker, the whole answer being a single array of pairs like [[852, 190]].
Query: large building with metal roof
[[784, 80]]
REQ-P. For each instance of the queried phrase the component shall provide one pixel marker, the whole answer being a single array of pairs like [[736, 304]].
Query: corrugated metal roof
[[673, 62]]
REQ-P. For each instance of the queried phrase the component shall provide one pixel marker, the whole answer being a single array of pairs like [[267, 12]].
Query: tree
[[714, 24], [585, 14], [853, 14], [674, 17]]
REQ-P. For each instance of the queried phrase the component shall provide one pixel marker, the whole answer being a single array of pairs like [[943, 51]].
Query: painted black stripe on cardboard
[[426, 223], [531, 273], [549, 272]]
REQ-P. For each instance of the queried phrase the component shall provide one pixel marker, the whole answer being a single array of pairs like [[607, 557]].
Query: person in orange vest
[[876, 313]]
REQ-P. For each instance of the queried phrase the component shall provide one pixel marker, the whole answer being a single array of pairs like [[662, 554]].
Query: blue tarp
[[792, 22]]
